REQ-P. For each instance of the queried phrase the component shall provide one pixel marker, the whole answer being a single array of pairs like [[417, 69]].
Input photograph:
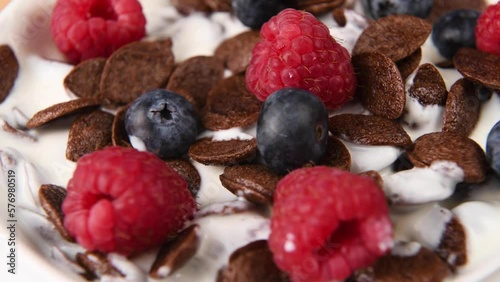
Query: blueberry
[[254, 13], [455, 30], [292, 129], [383, 8], [493, 148], [165, 122], [483, 93]]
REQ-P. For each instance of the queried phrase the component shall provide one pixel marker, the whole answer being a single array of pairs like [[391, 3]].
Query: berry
[[488, 30], [292, 129], [164, 121], [297, 50], [125, 201], [493, 148], [84, 29], [254, 13], [326, 223], [455, 30], [383, 8]]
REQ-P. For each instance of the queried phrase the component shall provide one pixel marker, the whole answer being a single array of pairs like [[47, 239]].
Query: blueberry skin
[[493, 148], [254, 13], [165, 121], [383, 8], [455, 30], [292, 129]]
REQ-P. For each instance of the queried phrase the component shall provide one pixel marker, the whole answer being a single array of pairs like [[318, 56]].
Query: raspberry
[[488, 30], [326, 223], [296, 50], [125, 201], [84, 29]]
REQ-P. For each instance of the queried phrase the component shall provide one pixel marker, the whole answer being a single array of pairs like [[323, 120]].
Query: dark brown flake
[[252, 263], [230, 104], [369, 130], [453, 147], [373, 174], [186, 7], [479, 67], [9, 69], [409, 64], [83, 81], [462, 108], [220, 5], [227, 152], [453, 246], [254, 182], [134, 69], [185, 169], [428, 86], [194, 78], [119, 136], [97, 264], [61, 110], [88, 133], [336, 155], [51, 198], [236, 51], [380, 85], [441, 7], [423, 266], [175, 253], [318, 7], [396, 36], [339, 16]]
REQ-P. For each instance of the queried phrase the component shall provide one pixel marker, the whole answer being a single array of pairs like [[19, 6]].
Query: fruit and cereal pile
[[284, 140]]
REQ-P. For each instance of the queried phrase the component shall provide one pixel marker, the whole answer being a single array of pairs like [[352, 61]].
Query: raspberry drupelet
[[488, 30], [125, 201], [297, 50], [326, 223], [85, 29]]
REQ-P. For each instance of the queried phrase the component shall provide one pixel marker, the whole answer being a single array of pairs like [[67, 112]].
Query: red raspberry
[[297, 50], [326, 223], [84, 29], [125, 201], [488, 30]]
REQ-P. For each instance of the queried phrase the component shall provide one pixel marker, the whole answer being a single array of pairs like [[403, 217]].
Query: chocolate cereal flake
[[119, 136], [380, 85], [51, 198], [194, 78], [409, 64], [230, 104], [369, 130], [227, 152], [453, 246], [317, 7], [254, 182], [336, 155], [462, 108], [396, 36], [97, 264], [425, 265], [134, 69], [236, 51], [428, 86], [61, 110], [339, 16], [83, 81], [220, 5], [252, 263], [187, 7], [187, 171], [453, 147], [88, 133], [9, 69], [175, 253], [441, 7], [480, 67]]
